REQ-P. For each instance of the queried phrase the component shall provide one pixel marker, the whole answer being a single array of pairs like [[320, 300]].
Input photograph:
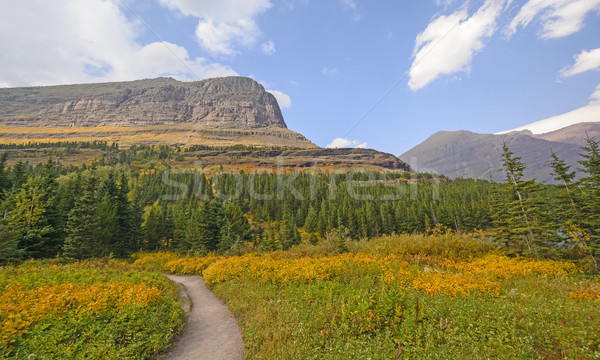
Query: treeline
[[550, 221], [363, 204], [96, 144], [102, 210], [79, 214], [110, 209]]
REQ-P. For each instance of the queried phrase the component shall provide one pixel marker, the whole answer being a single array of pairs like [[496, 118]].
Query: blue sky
[[382, 74]]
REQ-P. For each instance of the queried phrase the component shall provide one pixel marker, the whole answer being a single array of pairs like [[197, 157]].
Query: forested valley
[[131, 201]]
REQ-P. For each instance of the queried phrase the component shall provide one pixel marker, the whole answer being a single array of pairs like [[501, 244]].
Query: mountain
[[467, 154], [585, 114], [219, 111], [231, 103], [574, 134]]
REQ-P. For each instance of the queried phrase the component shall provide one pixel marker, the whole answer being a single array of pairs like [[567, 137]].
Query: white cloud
[[588, 113], [345, 143], [595, 97], [223, 25], [283, 99], [449, 42], [349, 4], [558, 18], [268, 48], [327, 71], [584, 61], [98, 43]]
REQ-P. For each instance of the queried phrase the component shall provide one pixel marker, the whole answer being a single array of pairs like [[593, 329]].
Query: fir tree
[[27, 222], [153, 227], [589, 187], [124, 239], [523, 210], [106, 216], [563, 174], [82, 226], [288, 233]]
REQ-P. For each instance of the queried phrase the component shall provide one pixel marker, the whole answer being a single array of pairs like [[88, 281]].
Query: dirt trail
[[211, 332]]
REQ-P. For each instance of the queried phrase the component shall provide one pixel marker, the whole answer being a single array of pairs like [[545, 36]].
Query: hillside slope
[[221, 111], [467, 154]]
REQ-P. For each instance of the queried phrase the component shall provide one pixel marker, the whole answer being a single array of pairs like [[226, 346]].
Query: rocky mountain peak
[[226, 103]]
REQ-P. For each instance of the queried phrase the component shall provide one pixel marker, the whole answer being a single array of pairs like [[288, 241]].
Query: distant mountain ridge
[[218, 112], [230, 103], [471, 155]]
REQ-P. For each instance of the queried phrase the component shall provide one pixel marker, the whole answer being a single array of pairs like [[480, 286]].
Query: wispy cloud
[[283, 99], [102, 45], [595, 97], [348, 4], [587, 113], [584, 61], [268, 48], [558, 18], [224, 25], [449, 43], [329, 71]]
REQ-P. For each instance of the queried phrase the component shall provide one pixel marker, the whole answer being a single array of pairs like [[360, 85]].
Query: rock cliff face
[[225, 103]]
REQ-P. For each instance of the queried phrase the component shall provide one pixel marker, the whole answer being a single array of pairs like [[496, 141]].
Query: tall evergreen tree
[[153, 227], [523, 210], [236, 228], [126, 228], [82, 226], [288, 233], [589, 186], [27, 222], [106, 216]]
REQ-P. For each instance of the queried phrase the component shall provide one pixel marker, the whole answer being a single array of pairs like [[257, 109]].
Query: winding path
[[211, 332]]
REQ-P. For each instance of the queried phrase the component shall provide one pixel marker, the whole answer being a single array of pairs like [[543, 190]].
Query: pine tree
[[9, 247], [106, 215], [82, 226], [27, 222], [153, 227], [18, 176], [288, 233], [181, 216], [312, 221], [55, 238], [523, 211], [563, 174], [204, 229], [124, 239], [235, 230], [589, 186]]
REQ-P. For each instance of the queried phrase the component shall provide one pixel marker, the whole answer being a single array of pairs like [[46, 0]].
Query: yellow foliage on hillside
[[20, 307]]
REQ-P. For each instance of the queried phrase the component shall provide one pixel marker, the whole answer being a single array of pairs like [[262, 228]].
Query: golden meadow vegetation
[[402, 296], [100, 309], [309, 275], [410, 296]]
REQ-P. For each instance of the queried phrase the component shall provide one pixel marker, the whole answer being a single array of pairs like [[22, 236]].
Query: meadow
[[441, 296], [445, 296], [97, 309]]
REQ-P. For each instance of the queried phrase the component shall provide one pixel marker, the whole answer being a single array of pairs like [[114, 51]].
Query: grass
[[94, 309], [406, 297], [442, 296]]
